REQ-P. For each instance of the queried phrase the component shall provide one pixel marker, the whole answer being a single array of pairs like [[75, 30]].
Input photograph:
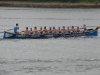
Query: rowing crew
[[51, 30]]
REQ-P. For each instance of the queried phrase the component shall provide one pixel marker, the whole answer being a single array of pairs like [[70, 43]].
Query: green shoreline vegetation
[[51, 3]]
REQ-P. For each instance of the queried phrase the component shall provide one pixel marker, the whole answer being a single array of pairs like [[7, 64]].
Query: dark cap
[[67, 27], [16, 24], [63, 26], [53, 27], [77, 26]]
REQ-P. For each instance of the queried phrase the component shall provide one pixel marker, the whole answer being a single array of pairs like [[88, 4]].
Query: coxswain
[[16, 28], [85, 28]]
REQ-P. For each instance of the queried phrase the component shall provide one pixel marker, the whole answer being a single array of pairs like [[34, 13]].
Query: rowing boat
[[9, 35]]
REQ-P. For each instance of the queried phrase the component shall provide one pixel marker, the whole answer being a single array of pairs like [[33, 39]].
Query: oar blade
[[98, 27]]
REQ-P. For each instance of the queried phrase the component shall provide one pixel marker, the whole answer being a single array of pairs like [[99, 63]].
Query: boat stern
[[4, 35], [8, 35]]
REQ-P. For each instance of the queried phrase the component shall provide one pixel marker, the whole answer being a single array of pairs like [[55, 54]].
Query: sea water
[[60, 56]]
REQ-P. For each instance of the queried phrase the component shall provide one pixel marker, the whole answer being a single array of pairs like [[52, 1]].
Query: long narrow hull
[[8, 35]]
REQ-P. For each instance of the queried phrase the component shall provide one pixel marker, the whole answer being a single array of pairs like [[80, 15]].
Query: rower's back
[[26, 32]]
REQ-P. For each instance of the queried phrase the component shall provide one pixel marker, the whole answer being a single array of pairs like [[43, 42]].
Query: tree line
[[67, 1]]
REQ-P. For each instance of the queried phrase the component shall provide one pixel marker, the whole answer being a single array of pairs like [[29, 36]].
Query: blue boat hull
[[8, 35]]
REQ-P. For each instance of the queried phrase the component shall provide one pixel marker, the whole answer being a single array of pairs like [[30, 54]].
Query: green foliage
[[68, 1]]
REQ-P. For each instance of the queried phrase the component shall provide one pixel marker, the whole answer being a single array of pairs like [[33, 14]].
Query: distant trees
[[70, 1]]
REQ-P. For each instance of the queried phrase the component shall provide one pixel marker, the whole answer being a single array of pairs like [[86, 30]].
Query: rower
[[54, 31], [68, 30], [26, 32], [31, 31], [35, 31], [59, 31], [63, 30], [50, 30], [45, 30], [85, 28], [41, 31], [16, 28], [73, 31], [77, 30]]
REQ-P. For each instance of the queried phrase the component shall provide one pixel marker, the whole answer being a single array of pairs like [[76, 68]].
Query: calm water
[[71, 56]]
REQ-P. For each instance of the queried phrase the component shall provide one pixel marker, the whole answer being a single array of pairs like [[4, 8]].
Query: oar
[[6, 30], [97, 28]]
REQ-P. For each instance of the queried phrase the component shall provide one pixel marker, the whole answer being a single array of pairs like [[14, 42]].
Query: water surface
[[61, 56]]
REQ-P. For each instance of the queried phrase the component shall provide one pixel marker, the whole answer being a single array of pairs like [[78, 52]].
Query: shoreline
[[49, 5]]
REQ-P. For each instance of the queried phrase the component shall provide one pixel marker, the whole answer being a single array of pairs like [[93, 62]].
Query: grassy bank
[[49, 4]]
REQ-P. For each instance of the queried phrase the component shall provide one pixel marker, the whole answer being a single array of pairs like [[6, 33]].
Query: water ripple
[[49, 66], [52, 18], [37, 61]]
